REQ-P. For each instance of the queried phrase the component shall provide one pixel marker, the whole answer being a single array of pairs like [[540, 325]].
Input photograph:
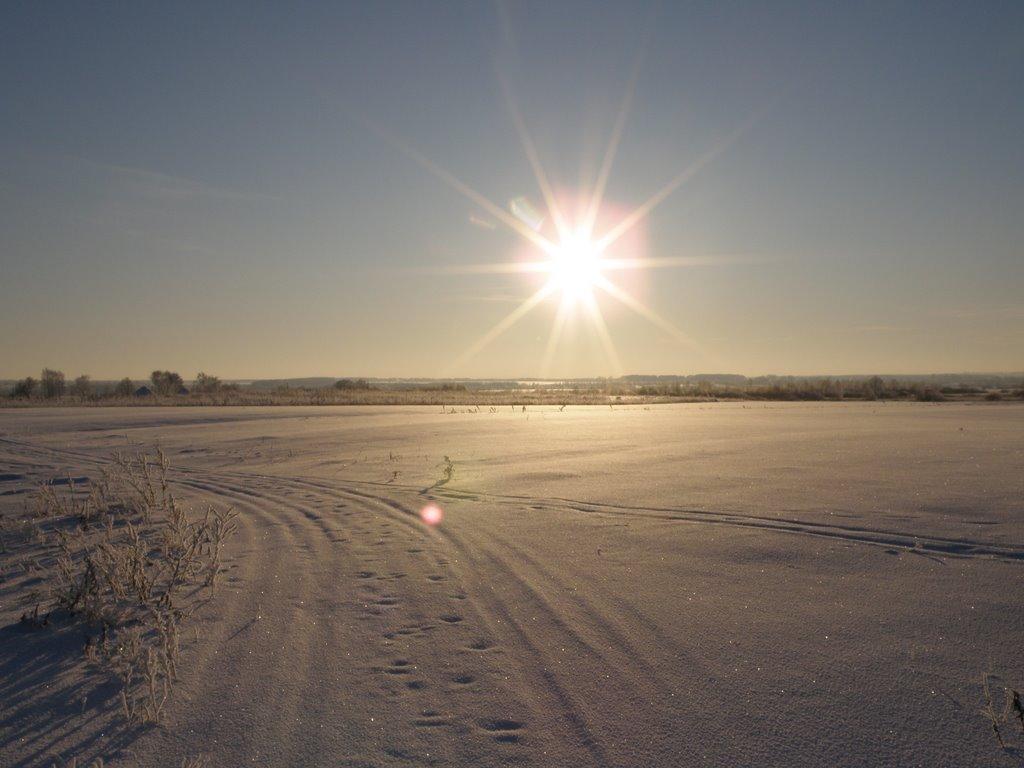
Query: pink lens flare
[[432, 514]]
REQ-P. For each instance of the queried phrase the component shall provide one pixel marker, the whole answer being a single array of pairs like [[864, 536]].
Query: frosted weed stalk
[[1013, 708], [127, 561]]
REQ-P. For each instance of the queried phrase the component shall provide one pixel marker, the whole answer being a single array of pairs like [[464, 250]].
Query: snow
[[703, 585]]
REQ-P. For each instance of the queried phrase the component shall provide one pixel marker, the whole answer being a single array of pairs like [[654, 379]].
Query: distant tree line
[[53, 385], [872, 388], [357, 385], [352, 384], [169, 386]]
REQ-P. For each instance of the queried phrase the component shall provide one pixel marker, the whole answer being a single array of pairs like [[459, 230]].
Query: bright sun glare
[[575, 266], [576, 259]]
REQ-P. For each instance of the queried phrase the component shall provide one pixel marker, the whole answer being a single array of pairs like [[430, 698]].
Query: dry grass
[[127, 562], [999, 719]]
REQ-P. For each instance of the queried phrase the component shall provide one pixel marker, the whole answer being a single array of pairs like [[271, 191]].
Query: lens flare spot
[[523, 210], [432, 514]]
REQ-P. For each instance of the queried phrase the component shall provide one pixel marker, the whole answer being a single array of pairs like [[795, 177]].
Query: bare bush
[[125, 561]]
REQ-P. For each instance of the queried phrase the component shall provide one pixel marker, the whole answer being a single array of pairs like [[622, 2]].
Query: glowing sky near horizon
[[333, 189]]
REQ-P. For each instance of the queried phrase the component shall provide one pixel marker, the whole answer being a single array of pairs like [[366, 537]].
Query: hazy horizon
[[188, 377], [243, 190]]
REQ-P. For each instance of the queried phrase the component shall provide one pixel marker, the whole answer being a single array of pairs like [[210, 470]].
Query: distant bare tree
[[205, 383], [82, 386], [52, 383], [25, 388], [166, 382], [874, 388], [124, 387]]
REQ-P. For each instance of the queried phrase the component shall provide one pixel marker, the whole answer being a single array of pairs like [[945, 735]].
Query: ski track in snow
[[348, 632]]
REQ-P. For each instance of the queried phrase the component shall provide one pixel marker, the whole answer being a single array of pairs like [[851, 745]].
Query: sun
[[575, 266], [577, 261]]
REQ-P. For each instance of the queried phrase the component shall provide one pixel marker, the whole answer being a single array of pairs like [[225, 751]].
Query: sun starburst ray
[[505, 323], [530, 150], [602, 264], [667, 262], [561, 317], [597, 318], [673, 184], [597, 196], [617, 293], [467, 191], [500, 268]]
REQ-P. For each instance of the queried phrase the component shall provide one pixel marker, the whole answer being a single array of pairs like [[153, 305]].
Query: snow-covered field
[[699, 585]]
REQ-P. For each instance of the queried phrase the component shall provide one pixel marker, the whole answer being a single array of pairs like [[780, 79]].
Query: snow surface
[[697, 585]]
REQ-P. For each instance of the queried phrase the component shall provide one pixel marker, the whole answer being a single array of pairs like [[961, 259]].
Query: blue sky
[[212, 186]]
